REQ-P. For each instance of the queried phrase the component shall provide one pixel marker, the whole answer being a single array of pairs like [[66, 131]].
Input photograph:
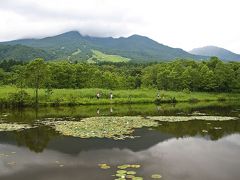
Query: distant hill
[[22, 53], [73, 46], [221, 53]]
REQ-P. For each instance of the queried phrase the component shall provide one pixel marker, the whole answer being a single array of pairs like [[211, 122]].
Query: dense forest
[[179, 75]]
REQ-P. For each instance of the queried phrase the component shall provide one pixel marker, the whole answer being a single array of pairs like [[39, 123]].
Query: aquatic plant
[[102, 127], [13, 126], [189, 118], [156, 176]]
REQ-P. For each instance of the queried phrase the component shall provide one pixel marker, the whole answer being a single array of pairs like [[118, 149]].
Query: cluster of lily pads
[[13, 126], [123, 172], [117, 128], [189, 118], [102, 127]]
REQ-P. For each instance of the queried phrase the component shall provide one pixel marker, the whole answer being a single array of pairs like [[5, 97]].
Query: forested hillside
[[213, 75], [75, 47], [23, 53]]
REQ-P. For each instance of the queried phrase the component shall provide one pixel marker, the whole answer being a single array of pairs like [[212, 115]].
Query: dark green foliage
[[37, 75], [213, 75], [7, 65], [179, 75], [23, 53], [20, 98]]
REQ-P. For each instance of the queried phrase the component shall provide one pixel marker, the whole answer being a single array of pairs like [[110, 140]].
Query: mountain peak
[[71, 34], [221, 53]]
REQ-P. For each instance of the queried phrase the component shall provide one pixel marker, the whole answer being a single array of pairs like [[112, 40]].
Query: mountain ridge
[[135, 47], [219, 52]]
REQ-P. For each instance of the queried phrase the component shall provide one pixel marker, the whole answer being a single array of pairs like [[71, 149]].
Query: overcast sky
[[178, 23]]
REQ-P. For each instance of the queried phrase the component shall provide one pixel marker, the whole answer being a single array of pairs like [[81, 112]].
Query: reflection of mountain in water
[[42, 137], [175, 159], [38, 139]]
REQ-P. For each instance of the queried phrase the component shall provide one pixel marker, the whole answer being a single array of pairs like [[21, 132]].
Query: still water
[[189, 150]]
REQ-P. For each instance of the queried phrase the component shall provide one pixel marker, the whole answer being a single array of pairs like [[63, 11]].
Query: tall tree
[[37, 75]]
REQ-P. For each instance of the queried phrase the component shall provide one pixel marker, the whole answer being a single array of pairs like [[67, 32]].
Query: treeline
[[213, 75]]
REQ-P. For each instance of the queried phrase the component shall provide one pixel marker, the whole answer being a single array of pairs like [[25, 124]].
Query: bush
[[186, 90], [56, 102], [72, 100], [20, 98]]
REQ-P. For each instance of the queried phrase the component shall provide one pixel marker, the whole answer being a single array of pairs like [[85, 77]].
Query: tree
[[37, 75], [224, 76], [2, 75], [19, 76]]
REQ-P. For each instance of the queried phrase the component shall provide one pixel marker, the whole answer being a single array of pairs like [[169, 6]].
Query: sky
[[185, 24]]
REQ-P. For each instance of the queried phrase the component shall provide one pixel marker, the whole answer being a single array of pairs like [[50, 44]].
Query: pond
[[172, 141]]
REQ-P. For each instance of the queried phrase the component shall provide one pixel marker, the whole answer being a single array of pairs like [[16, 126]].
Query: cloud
[[186, 23]]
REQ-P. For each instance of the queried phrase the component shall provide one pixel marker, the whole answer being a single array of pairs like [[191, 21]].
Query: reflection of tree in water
[[36, 139], [193, 128]]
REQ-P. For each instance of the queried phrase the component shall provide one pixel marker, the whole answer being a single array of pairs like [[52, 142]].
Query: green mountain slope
[[99, 56], [72, 45], [22, 53], [221, 53], [139, 48]]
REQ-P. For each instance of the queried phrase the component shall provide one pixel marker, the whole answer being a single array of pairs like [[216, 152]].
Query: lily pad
[[156, 176], [217, 128], [121, 172], [130, 176], [125, 166], [137, 178], [120, 175], [135, 166], [131, 172], [104, 166]]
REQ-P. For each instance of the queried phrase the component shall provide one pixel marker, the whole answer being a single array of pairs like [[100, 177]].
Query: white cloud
[[185, 24]]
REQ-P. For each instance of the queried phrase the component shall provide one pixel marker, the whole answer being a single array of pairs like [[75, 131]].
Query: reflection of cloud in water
[[183, 159]]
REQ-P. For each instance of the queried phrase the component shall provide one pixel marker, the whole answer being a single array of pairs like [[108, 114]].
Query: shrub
[[72, 100], [186, 90], [20, 98], [57, 102]]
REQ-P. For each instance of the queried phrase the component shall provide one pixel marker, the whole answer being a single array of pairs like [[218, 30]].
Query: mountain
[[22, 53], [221, 53], [73, 46], [138, 48]]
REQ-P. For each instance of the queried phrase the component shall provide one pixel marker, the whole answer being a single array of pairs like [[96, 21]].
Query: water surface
[[191, 150]]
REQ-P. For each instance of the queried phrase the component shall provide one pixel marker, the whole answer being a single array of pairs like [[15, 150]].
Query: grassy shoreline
[[74, 97]]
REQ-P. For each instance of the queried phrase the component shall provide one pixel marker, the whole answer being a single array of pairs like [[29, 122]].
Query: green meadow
[[65, 97]]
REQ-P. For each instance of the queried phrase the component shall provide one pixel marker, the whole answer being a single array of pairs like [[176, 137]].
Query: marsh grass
[[73, 97]]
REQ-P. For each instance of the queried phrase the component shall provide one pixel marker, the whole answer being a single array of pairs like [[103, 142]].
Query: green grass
[[76, 52], [88, 96], [108, 58]]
